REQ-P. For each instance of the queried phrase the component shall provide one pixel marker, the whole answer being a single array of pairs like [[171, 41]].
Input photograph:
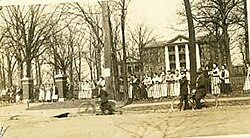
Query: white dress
[[54, 95], [247, 81], [177, 85], [41, 95], [48, 94], [148, 82], [164, 92], [216, 81], [130, 91]]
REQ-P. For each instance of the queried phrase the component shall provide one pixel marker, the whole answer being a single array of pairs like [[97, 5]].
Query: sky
[[158, 15]]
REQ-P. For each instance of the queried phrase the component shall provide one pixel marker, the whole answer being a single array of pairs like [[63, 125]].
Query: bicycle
[[94, 103], [207, 101]]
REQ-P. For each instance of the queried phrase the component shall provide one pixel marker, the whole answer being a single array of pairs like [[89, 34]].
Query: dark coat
[[184, 86], [203, 84], [135, 86], [103, 95]]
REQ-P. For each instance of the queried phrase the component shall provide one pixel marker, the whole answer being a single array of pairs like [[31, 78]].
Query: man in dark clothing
[[184, 90], [202, 88], [135, 88], [105, 106]]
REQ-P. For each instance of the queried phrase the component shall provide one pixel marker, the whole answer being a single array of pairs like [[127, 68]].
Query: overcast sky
[[159, 15]]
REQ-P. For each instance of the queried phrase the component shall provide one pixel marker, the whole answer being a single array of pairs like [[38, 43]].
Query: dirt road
[[206, 122]]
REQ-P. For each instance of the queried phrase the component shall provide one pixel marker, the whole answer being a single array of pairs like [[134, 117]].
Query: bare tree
[[140, 37], [29, 28]]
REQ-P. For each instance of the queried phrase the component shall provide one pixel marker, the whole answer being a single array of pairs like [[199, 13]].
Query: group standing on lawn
[[168, 84]]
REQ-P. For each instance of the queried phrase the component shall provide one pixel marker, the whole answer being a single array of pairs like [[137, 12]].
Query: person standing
[[148, 82], [130, 90], [54, 94], [216, 80], [184, 90], [48, 93], [247, 81], [41, 94], [225, 83], [172, 84], [135, 87], [177, 83], [163, 85]]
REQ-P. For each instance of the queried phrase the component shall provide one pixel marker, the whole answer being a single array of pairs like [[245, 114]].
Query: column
[[27, 87], [177, 59], [61, 86], [167, 59], [187, 57], [198, 60]]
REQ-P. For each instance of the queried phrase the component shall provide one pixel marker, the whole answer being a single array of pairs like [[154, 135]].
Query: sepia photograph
[[124, 69]]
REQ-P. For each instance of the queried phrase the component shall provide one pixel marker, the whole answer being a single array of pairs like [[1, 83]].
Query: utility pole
[[107, 48], [192, 44]]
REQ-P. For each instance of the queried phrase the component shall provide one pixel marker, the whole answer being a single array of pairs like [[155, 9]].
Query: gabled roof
[[155, 44], [178, 37]]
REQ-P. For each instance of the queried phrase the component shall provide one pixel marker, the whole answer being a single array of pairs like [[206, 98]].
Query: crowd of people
[[48, 93], [167, 84], [11, 94]]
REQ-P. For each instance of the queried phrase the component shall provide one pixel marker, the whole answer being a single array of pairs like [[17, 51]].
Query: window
[[172, 66], [182, 57], [172, 57], [181, 48], [129, 70], [183, 65], [171, 49]]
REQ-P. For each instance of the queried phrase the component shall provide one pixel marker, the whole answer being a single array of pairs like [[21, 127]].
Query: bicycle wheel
[[209, 101], [175, 104], [84, 107]]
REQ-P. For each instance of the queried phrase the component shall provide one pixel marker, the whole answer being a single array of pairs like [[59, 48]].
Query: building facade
[[169, 55]]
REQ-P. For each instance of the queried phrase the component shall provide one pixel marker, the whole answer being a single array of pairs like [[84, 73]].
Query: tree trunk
[[98, 63], [246, 33], [19, 72], [124, 61], [28, 68], [80, 66], [192, 43], [9, 70]]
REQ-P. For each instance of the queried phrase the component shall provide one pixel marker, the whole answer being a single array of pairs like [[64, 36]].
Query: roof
[[178, 37], [156, 44]]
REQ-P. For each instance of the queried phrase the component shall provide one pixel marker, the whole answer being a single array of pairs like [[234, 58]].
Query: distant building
[[171, 55]]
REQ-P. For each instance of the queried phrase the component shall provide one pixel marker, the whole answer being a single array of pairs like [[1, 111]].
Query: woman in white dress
[[164, 92], [48, 94], [41, 94], [247, 81], [215, 80], [148, 82], [155, 86], [177, 83], [171, 84]]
